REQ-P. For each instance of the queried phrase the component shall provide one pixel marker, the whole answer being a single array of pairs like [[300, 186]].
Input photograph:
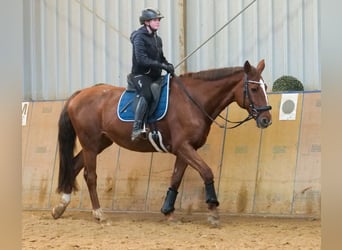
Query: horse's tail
[[66, 141]]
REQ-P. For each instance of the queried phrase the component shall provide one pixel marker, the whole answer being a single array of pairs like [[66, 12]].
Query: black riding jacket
[[147, 53]]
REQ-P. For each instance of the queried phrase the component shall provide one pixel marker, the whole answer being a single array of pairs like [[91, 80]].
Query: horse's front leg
[[171, 195], [192, 158], [211, 200], [91, 180]]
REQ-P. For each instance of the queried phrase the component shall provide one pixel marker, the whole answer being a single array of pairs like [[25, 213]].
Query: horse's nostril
[[265, 122]]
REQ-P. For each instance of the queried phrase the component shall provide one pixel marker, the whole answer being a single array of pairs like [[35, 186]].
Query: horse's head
[[254, 98]]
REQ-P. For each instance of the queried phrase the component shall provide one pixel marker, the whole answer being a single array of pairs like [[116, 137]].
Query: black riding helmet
[[149, 14]]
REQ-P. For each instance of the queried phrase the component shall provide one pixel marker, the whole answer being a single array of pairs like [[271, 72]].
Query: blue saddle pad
[[126, 110]]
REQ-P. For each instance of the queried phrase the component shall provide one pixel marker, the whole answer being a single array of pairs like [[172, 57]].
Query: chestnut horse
[[195, 100]]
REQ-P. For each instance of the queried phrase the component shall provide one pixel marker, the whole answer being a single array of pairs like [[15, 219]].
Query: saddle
[[158, 107]]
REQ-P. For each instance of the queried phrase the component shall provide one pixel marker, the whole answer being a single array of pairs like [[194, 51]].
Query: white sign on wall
[[288, 106], [24, 112]]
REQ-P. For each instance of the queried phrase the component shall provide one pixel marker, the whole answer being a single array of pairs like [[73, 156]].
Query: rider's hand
[[168, 67]]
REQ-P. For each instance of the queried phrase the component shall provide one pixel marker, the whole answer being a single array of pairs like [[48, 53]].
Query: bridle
[[253, 112]]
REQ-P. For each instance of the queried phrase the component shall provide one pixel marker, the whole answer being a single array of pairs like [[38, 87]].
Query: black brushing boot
[[169, 202]]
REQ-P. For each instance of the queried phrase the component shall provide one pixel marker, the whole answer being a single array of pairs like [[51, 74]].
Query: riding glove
[[168, 67]]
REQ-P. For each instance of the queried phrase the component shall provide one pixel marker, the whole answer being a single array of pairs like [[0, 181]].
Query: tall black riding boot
[[139, 117]]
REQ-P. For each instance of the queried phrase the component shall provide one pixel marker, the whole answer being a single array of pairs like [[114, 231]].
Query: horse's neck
[[215, 95]]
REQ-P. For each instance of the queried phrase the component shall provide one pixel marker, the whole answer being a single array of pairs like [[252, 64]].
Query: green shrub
[[287, 83]]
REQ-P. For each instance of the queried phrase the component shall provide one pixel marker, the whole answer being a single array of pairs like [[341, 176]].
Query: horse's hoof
[[171, 219], [99, 215], [214, 218], [58, 210], [213, 221]]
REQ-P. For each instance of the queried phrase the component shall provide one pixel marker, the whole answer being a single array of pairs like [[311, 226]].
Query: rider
[[148, 61]]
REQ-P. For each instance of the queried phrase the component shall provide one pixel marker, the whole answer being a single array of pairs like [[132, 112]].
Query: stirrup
[[136, 134], [145, 131], [140, 133]]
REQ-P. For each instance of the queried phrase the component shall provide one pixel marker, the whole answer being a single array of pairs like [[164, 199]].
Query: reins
[[181, 84], [200, 107]]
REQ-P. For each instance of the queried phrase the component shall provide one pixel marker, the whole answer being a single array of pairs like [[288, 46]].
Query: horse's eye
[[254, 89]]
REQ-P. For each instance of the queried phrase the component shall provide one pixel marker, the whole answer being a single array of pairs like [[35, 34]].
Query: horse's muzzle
[[263, 122], [264, 118]]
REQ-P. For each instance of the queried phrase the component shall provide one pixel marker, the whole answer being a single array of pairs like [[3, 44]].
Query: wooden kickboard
[[307, 191], [239, 165], [277, 162], [40, 154], [132, 178]]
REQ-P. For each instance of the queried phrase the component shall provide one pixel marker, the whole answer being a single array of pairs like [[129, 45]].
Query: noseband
[[254, 112]]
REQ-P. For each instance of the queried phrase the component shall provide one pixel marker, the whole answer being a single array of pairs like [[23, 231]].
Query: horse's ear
[[261, 66], [247, 67]]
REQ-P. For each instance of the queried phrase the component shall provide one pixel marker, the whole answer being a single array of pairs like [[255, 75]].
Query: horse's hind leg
[[91, 180], [59, 209]]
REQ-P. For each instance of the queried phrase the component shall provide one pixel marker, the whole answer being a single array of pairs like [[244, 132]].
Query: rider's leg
[[145, 95], [140, 112]]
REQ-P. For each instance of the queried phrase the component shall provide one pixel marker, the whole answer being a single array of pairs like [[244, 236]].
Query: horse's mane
[[213, 74]]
